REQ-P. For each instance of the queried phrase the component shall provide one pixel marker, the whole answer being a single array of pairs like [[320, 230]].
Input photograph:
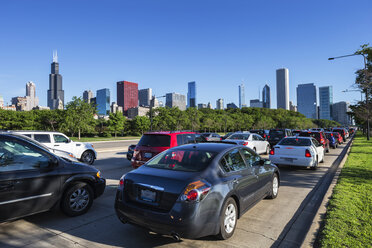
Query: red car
[[338, 137], [319, 136], [153, 143]]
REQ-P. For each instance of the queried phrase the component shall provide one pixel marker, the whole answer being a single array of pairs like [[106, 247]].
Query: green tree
[[116, 122], [140, 124]]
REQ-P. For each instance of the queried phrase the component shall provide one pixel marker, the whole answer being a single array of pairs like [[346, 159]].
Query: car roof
[[298, 137], [210, 146], [170, 132], [33, 131]]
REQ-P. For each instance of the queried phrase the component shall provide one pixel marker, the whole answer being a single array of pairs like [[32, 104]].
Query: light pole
[[365, 81]]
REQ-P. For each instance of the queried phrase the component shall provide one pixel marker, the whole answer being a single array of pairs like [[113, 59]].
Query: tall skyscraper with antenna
[[56, 95]]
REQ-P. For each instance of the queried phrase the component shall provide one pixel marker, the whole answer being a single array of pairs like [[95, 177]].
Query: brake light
[[121, 182], [135, 153], [268, 136], [196, 191], [192, 195], [245, 143], [322, 140], [272, 152], [307, 153]]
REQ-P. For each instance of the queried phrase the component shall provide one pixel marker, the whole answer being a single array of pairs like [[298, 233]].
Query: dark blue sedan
[[196, 190], [333, 142]]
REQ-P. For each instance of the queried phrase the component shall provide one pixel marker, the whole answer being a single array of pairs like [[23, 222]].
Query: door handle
[[4, 187]]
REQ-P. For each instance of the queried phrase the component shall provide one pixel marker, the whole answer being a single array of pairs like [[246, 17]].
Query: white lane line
[[122, 149]]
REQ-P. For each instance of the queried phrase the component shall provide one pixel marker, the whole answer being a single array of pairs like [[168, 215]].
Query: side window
[[249, 157], [15, 156], [316, 143], [260, 138], [28, 135], [42, 138], [255, 137], [60, 138], [180, 139], [232, 161], [188, 138]]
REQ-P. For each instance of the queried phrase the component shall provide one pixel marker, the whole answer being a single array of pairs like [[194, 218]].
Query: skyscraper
[[266, 99], [306, 100], [103, 101], [255, 103], [339, 113], [241, 96], [32, 99], [87, 95], [219, 104], [191, 95], [127, 94], [282, 88], [325, 102], [175, 100], [144, 97], [56, 95]]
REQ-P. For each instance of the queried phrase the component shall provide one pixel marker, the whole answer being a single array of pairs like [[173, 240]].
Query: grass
[[92, 139], [348, 221]]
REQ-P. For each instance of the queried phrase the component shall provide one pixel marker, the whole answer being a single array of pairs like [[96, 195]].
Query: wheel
[[87, 157], [254, 149], [274, 187], [267, 150], [315, 165], [322, 159], [228, 219], [77, 199], [327, 150]]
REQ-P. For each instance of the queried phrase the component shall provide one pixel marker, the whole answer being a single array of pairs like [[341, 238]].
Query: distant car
[[342, 132], [227, 135], [296, 132], [263, 133], [351, 131], [153, 143], [338, 137], [251, 140], [298, 151], [212, 136], [130, 151], [85, 152], [34, 180], [333, 142], [275, 135], [196, 190], [319, 136], [317, 129]]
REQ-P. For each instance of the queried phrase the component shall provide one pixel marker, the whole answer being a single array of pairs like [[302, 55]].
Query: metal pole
[[151, 103], [365, 81]]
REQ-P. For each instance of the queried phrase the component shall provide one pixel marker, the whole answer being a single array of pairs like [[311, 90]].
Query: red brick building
[[127, 94]]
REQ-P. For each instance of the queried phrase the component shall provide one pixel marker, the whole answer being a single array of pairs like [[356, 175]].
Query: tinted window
[[188, 138], [276, 133], [18, 156], [239, 136], [232, 161], [182, 160], [180, 139], [295, 142], [310, 134], [154, 140], [199, 138], [60, 138], [42, 138], [250, 157], [28, 135], [316, 143]]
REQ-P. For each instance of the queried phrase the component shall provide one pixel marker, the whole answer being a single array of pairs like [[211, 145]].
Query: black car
[[33, 180], [260, 132], [130, 152], [276, 135], [196, 190]]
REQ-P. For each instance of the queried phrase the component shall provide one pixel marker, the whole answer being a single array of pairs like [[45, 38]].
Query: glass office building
[[325, 102], [103, 101], [306, 100]]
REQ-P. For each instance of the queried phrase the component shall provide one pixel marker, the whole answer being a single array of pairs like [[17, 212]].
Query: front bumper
[[99, 187]]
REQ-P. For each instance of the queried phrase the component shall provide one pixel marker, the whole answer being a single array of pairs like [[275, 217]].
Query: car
[[342, 132], [333, 142], [34, 180], [338, 137], [152, 143], [196, 190], [275, 135], [319, 136], [296, 132], [227, 135], [251, 140], [317, 129], [351, 131], [130, 152], [298, 151], [263, 133], [85, 152], [211, 136]]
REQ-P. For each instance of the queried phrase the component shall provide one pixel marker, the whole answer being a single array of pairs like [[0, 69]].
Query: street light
[[365, 80]]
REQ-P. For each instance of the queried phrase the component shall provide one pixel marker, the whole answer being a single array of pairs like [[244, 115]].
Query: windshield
[[315, 135], [182, 160], [295, 142], [154, 140], [239, 136]]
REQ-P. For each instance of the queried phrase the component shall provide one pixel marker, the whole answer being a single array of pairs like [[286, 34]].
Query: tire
[[267, 150], [77, 199], [322, 159], [87, 157], [254, 149], [315, 165], [274, 187], [327, 151], [228, 219]]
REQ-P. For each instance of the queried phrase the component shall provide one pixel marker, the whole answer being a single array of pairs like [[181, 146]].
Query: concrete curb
[[313, 233]]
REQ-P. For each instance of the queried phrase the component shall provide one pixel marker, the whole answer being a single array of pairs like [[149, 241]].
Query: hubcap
[[275, 185], [230, 218], [79, 199], [88, 157]]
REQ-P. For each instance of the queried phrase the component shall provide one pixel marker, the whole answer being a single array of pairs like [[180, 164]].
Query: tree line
[[78, 120]]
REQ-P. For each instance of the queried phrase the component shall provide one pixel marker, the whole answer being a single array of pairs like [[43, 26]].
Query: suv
[[260, 132], [153, 143], [33, 180], [319, 136], [275, 135], [83, 151]]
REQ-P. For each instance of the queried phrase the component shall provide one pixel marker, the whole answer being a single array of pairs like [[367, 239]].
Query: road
[[262, 226]]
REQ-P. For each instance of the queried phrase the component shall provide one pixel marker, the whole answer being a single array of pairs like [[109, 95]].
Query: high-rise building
[[127, 94], [209, 105], [266, 99], [20, 103], [339, 113], [144, 97], [1, 102], [231, 105], [103, 101], [241, 96], [32, 99], [175, 100], [202, 106], [306, 100], [87, 96], [292, 107], [219, 104], [282, 88], [116, 108], [191, 95], [56, 95], [325, 102], [255, 103]]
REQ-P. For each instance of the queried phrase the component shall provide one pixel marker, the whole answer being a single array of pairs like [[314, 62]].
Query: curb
[[312, 235]]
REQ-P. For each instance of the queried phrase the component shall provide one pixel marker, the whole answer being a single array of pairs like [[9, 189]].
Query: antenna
[[55, 56]]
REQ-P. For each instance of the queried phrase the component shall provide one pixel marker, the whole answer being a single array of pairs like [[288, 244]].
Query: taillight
[[196, 191], [307, 153], [121, 182], [272, 152], [322, 140], [268, 136], [245, 143], [135, 153]]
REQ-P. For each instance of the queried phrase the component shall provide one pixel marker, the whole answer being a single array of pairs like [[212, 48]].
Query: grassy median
[[348, 220], [93, 139]]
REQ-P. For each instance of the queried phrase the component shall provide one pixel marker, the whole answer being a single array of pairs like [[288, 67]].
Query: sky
[[164, 44]]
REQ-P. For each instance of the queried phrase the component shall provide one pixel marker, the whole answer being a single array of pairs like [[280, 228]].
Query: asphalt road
[[262, 226]]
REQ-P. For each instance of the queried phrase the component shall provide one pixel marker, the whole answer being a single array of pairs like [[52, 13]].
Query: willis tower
[[56, 96]]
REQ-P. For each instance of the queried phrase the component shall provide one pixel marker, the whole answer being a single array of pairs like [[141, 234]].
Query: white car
[[55, 140], [251, 140], [298, 151]]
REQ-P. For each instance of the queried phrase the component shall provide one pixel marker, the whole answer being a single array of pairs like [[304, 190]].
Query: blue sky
[[163, 44]]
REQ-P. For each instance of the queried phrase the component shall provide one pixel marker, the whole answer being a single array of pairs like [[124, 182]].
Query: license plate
[[148, 155], [276, 138], [288, 159], [148, 195]]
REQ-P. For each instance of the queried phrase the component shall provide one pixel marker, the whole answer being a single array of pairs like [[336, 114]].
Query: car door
[[261, 143], [318, 148], [44, 139], [28, 182], [63, 143]]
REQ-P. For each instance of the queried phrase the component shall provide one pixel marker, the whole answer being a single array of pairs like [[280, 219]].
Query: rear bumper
[[137, 163], [282, 160]]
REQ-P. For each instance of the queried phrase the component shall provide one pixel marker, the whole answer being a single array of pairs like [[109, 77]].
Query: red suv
[[153, 143], [319, 136]]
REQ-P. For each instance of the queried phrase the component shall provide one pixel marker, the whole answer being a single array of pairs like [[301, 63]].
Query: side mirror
[[68, 141]]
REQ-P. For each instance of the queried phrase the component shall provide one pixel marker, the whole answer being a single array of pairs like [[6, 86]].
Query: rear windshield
[[315, 135], [154, 140], [276, 133], [295, 142], [328, 135], [182, 160], [239, 136]]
